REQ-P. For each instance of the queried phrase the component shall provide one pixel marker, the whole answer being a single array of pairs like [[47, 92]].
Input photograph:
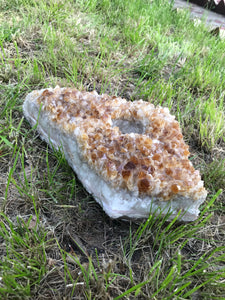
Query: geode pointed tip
[[130, 156]]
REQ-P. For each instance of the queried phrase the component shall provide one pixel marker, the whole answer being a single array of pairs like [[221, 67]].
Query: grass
[[56, 242]]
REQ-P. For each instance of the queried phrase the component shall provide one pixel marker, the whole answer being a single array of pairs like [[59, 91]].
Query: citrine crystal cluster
[[130, 156]]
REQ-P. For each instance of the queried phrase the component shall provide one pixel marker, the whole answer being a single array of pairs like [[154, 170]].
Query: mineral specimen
[[130, 156]]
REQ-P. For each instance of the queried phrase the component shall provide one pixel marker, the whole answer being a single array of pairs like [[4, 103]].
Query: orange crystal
[[131, 144]]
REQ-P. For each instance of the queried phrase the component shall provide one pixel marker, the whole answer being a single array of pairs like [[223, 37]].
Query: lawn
[[55, 240]]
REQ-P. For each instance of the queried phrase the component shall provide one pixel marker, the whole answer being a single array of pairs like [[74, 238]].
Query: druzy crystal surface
[[131, 156]]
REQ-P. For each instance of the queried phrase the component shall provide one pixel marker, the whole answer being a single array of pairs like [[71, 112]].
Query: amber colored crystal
[[143, 185], [93, 157], [141, 174], [126, 174], [174, 188], [129, 166], [168, 171], [157, 157], [154, 160], [134, 160]]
